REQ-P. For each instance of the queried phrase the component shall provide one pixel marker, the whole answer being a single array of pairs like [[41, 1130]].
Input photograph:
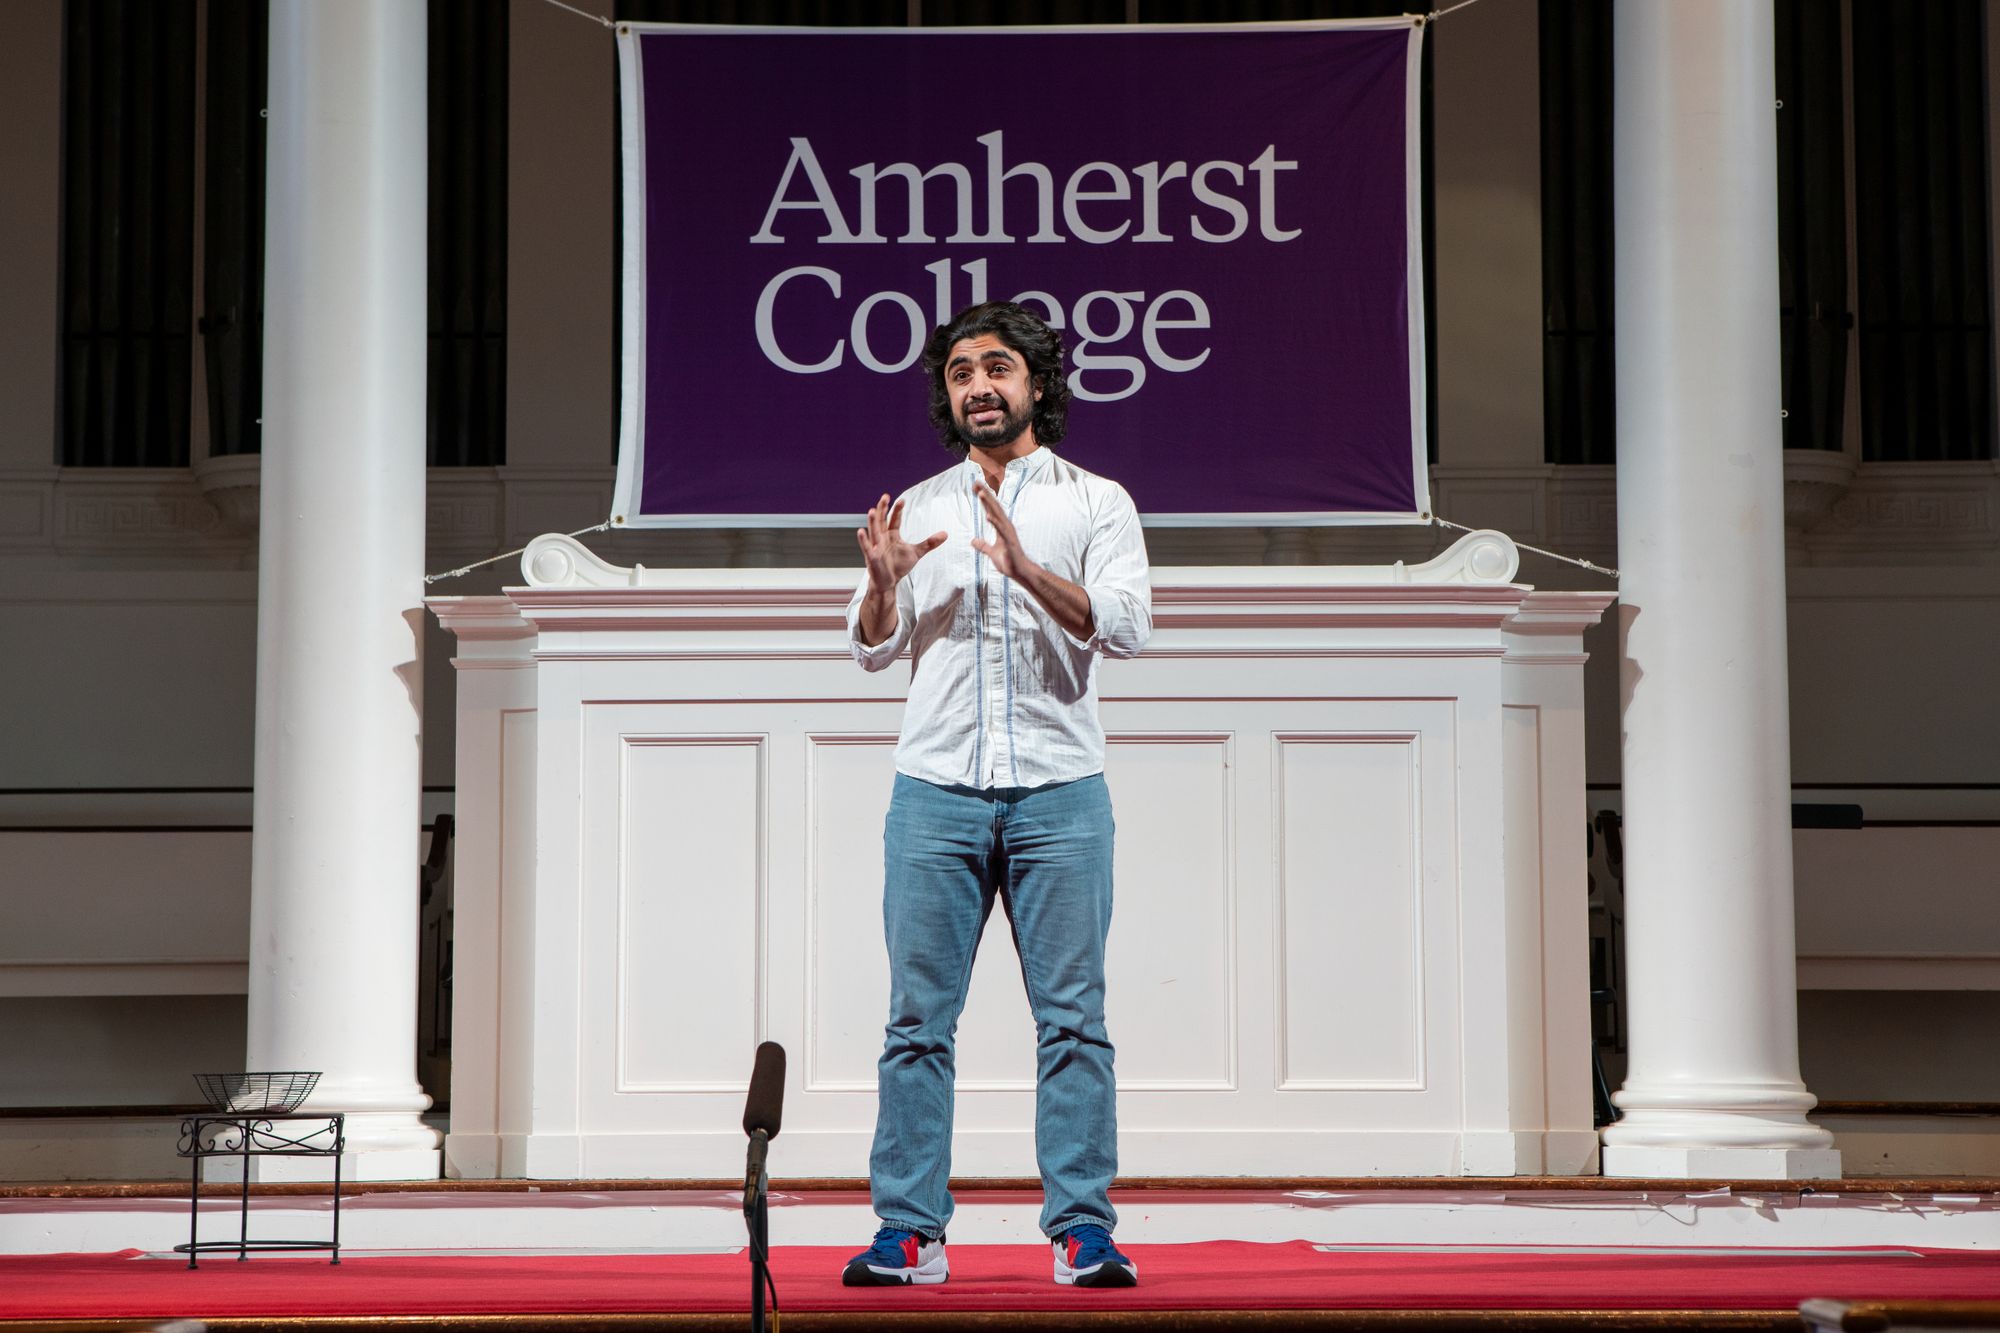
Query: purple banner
[[1222, 221]]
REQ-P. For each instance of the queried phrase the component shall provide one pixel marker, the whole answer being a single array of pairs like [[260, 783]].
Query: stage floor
[[1502, 1253], [1213, 1284]]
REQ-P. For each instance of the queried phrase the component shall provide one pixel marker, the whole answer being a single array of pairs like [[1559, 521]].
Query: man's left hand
[[1003, 544], [1069, 604]]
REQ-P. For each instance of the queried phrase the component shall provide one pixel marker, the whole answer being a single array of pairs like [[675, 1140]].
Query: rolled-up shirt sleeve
[[887, 651], [1117, 578]]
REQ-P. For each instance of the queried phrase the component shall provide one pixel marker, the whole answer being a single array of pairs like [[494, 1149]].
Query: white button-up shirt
[[1001, 695]]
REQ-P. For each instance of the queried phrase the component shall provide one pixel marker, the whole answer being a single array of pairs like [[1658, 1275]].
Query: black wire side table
[[243, 1136]]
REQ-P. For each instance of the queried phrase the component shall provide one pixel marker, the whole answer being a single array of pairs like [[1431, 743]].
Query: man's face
[[992, 395]]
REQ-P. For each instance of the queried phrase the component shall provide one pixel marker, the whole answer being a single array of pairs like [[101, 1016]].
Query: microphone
[[763, 1110], [765, 1106]]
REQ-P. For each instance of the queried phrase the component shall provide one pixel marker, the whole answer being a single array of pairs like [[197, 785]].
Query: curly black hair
[[1040, 346]]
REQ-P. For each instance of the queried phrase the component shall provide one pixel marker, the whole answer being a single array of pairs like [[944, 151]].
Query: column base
[[384, 1164], [1727, 1163]]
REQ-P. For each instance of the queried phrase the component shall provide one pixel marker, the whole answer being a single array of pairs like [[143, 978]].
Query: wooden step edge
[[177, 1187], [1123, 1321]]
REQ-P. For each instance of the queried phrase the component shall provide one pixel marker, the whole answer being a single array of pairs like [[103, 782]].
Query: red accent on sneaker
[[1072, 1245], [910, 1244]]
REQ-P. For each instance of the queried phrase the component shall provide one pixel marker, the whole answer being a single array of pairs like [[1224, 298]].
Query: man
[[1032, 568]]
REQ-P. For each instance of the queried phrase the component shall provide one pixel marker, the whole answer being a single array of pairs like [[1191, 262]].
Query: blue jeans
[[1046, 853]]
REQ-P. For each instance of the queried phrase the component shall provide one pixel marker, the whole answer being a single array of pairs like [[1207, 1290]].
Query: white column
[[1712, 1087], [333, 919]]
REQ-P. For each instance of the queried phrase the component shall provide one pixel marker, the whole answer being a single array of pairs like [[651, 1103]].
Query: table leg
[[194, 1196], [243, 1232], [339, 1146]]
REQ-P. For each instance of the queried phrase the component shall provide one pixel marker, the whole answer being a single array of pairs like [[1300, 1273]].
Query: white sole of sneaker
[[1097, 1275], [925, 1275]]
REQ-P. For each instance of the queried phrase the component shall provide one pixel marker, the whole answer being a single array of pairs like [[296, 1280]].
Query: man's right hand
[[889, 558]]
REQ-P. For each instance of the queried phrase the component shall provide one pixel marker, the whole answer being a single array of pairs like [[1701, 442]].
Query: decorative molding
[[680, 655], [232, 484], [555, 561], [158, 810], [808, 602], [99, 518], [1815, 479], [1899, 971], [1188, 587], [1560, 612], [1903, 512], [490, 632], [1482, 558], [1452, 603], [1585, 502], [25, 514], [1549, 627], [480, 618], [1912, 514], [1329, 652], [462, 520], [125, 976]]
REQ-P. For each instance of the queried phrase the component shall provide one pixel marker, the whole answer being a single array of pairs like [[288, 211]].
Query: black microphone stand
[[756, 1214]]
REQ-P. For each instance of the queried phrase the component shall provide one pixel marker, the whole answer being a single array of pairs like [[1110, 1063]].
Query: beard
[[1012, 424]]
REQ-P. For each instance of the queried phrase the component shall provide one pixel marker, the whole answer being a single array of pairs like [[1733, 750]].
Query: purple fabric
[[1303, 401]]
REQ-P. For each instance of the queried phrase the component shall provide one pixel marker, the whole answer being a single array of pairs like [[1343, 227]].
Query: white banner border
[[627, 489]]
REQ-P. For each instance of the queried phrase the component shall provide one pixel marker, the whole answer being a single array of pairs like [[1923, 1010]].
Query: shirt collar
[[1029, 465]]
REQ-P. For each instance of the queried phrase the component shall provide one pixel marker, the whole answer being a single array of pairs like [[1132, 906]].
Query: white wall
[[30, 163], [1487, 158], [562, 151], [1893, 675], [116, 1050], [128, 679]]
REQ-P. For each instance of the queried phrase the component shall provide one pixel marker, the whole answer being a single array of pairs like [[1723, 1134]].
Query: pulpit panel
[[674, 903], [1351, 910], [1170, 970]]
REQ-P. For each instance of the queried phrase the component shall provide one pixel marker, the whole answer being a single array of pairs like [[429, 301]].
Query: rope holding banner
[[1566, 559], [605, 526], [1431, 17], [599, 18]]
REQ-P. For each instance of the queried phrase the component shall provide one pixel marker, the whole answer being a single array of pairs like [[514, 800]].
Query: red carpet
[[1222, 1275]]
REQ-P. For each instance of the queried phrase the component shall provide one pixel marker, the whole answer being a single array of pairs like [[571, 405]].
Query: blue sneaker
[[897, 1258], [1085, 1257]]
